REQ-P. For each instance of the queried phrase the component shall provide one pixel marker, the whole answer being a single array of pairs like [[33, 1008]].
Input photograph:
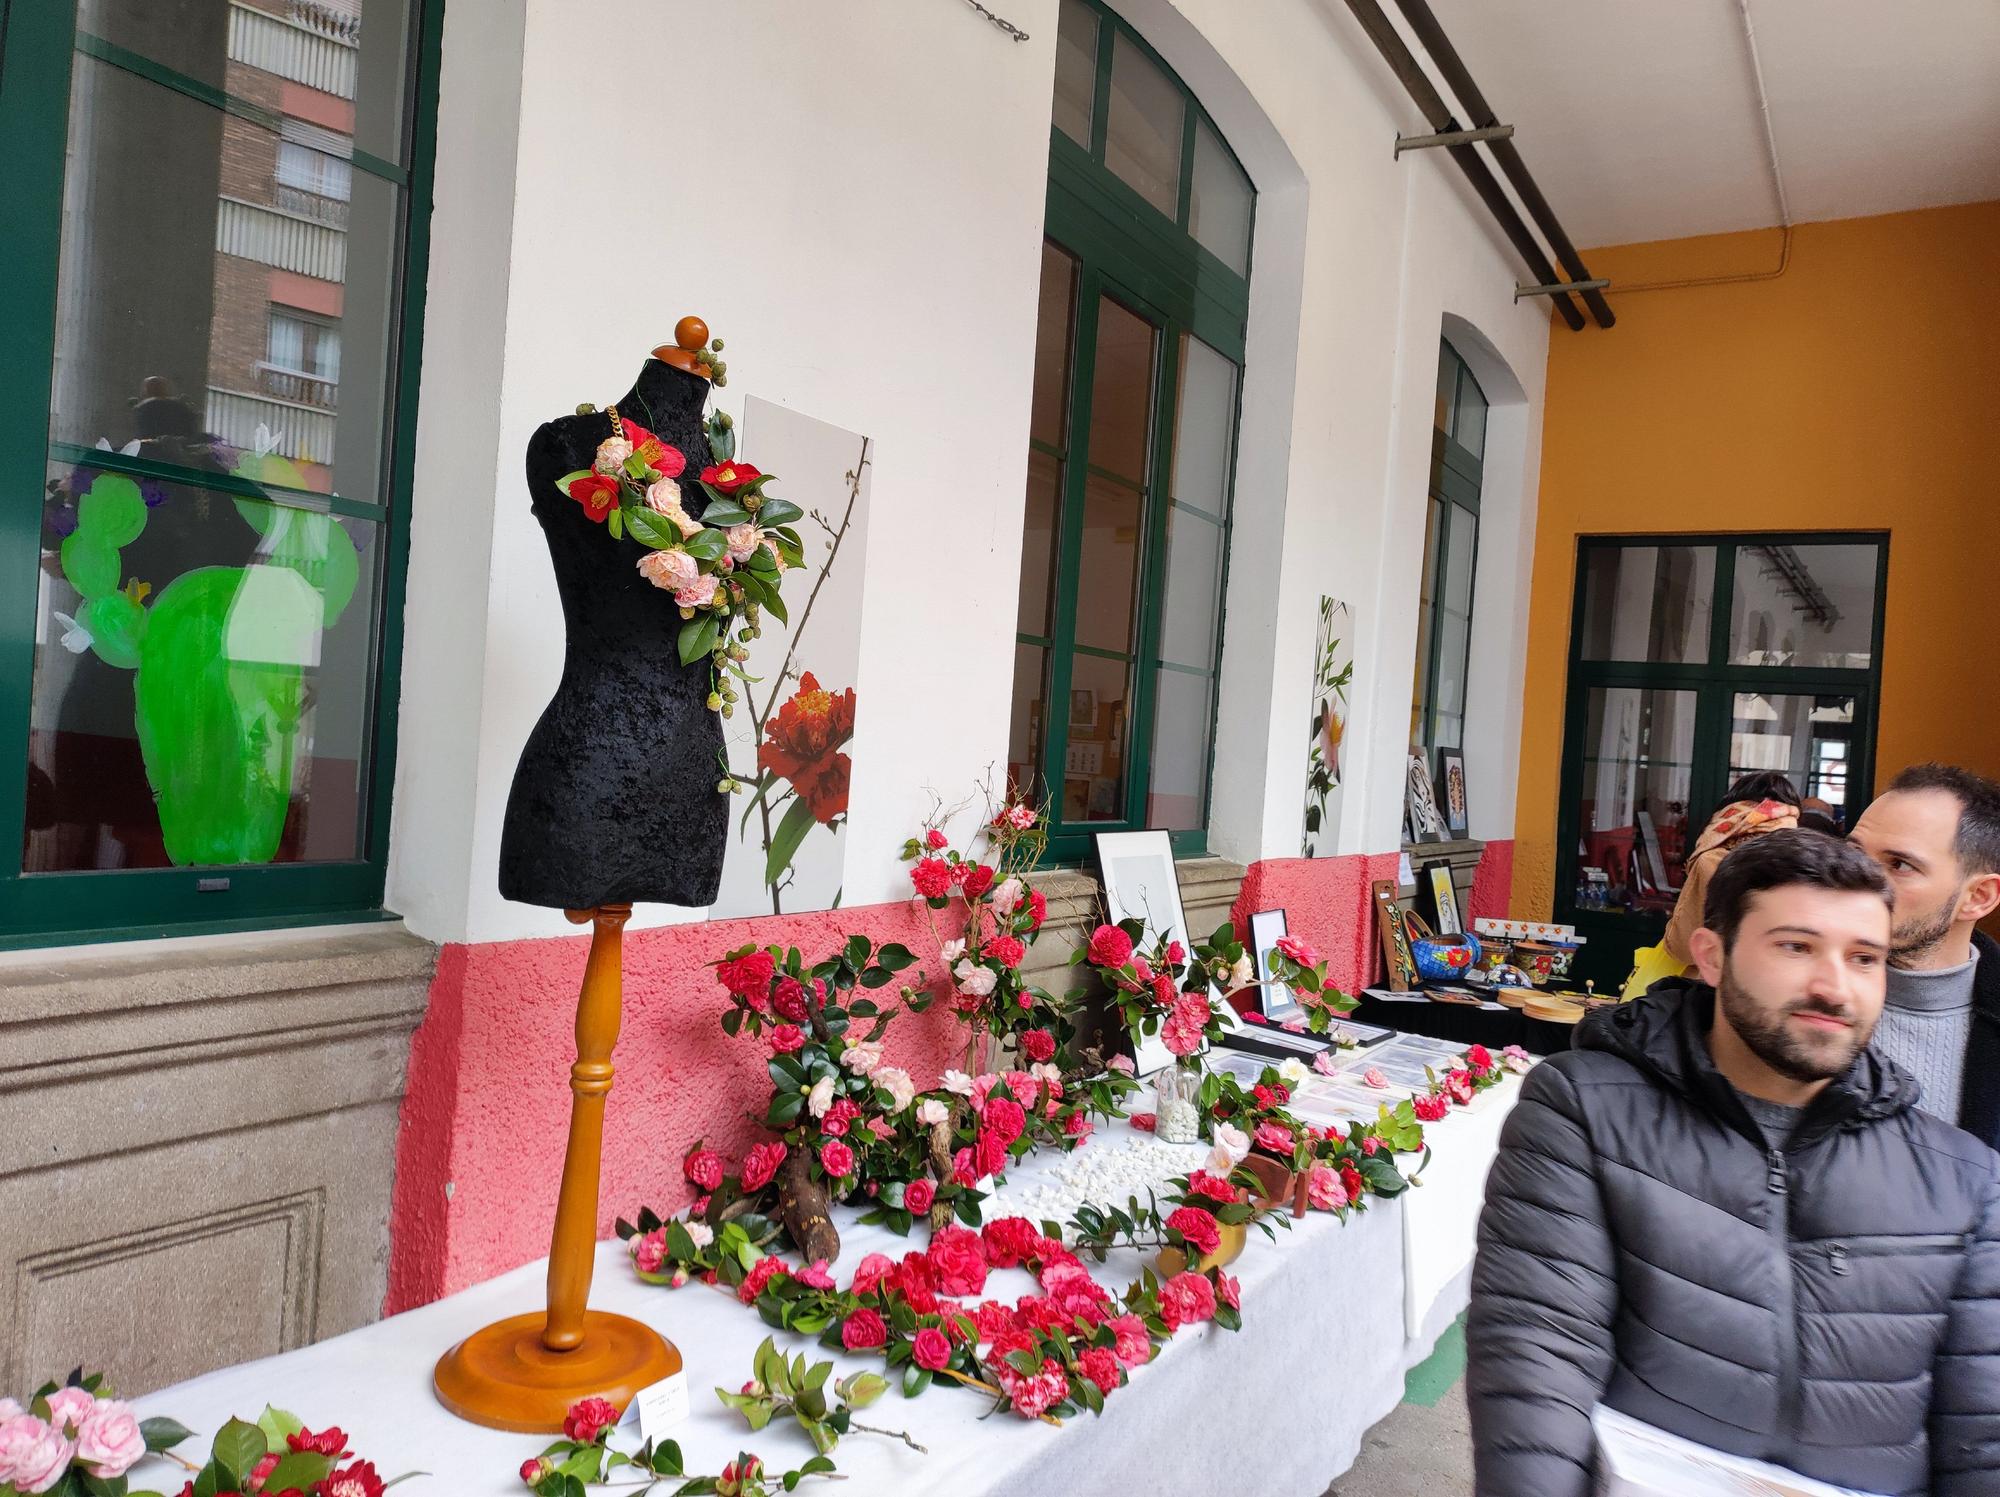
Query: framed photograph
[[1442, 896], [1140, 882], [1426, 824], [1082, 710], [1276, 1001], [1451, 792]]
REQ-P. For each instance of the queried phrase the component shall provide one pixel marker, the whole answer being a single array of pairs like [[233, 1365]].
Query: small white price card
[[662, 1406]]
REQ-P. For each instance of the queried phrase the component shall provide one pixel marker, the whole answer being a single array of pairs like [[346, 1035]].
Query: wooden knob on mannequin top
[[686, 351]]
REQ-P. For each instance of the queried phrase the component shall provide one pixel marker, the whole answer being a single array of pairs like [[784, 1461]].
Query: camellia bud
[[532, 1471], [715, 701], [724, 420], [727, 710], [723, 787], [679, 1277], [686, 612], [586, 409], [716, 344]]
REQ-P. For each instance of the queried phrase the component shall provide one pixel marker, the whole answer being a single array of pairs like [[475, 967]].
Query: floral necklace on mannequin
[[723, 570]]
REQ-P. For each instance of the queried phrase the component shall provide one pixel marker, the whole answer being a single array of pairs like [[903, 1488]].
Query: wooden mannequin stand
[[523, 1373]]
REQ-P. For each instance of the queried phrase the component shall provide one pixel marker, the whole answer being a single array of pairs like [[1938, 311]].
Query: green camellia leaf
[[277, 1424], [725, 513], [653, 530], [567, 479], [862, 1389], [777, 512], [162, 1434], [667, 1459], [697, 638], [615, 523], [706, 545], [239, 1445], [300, 1469], [895, 956], [775, 606]]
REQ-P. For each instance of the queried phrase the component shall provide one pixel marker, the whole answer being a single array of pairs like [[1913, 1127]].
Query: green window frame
[[1129, 250], [1713, 684], [38, 44], [1458, 450]]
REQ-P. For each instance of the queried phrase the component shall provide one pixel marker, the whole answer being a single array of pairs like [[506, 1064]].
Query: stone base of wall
[[200, 1143]]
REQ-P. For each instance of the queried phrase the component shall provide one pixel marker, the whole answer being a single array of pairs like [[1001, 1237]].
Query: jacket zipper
[[1788, 1309]]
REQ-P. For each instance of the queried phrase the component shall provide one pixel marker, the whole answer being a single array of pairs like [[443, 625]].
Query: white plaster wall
[[856, 208]]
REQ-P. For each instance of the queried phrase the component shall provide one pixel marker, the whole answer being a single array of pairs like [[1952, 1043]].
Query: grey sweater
[[1926, 1021]]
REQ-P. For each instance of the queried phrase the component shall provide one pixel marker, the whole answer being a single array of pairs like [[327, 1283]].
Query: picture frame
[[1274, 1000], [1082, 710], [1440, 894], [1140, 881], [1426, 823], [1451, 793]]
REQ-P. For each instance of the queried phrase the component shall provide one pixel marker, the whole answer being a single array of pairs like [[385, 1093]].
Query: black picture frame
[[1453, 805]]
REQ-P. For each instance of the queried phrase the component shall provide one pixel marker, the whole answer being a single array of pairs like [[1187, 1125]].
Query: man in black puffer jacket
[[1722, 1214]]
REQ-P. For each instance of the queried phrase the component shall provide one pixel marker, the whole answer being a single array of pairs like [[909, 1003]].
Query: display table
[[1277, 1408]]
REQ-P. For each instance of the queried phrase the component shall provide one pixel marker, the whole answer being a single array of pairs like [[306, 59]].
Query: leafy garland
[[584, 1457]]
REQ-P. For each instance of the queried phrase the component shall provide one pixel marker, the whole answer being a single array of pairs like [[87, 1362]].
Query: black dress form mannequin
[[615, 800]]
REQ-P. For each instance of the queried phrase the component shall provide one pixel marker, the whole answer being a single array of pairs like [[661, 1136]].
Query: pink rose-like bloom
[[649, 1253], [1186, 1299], [1431, 1109], [1134, 1345], [931, 877], [1298, 950], [1323, 1063], [1100, 1365], [760, 1165], [704, 1167], [1197, 1227], [742, 540], [1323, 1189], [1004, 1119], [864, 1330], [935, 839], [761, 1273], [871, 1271], [33, 1455], [1110, 947], [959, 1261], [1374, 1077], [917, 1196], [931, 1350], [69, 1407], [611, 455], [110, 1444], [1078, 1128], [816, 1275], [1122, 1064], [1038, 1045], [786, 1038], [670, 570], [975, 878], [836, 1158], [1032, 1397], [1274, 1138], [696, 594]]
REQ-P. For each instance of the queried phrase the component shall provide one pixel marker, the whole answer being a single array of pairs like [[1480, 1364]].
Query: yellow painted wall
[[1859, 390]]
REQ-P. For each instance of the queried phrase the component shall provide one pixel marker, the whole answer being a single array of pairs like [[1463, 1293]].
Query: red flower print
[[802, 746]]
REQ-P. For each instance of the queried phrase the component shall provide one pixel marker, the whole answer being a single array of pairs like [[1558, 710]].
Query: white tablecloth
[[1277, 1408], [1442, 1219]]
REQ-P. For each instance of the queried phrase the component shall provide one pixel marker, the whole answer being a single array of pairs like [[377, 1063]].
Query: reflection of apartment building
[[281, 227]]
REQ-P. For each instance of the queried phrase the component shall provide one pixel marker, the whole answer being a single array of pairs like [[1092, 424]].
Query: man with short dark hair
[[1721, 1214], [1936, 832]]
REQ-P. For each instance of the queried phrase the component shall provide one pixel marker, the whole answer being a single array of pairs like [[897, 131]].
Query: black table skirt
[[1463, 1024]]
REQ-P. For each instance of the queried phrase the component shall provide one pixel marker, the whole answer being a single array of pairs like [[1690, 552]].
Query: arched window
[[1451, 549], [1138, 365]]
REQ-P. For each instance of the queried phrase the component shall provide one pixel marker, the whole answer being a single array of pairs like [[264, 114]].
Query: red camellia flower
[[1004, 1118], [870, 1272], [532, 1470], [789, 999], [597, 494], [361, 1479], [959, 1261], [1038, 908], [1109, 947], [1350, 1181], [931, 877], [760, 1165], [978, 878], [838, 1117], [587, 1416], [729, 477], [935, 839], [1164, 991], [1145, 1122], [662, 457], [1480, 1059], [1198, 1227], [1176, 953], [864, 1330], [761, 1273], [1431, 1109], [261, 1472], [836, 1158], [1186, 1299], [931, 1350], [989, 1153], [704, 1167], [786, 1038], [1010, 1241], [1006, 950], [1038, 1045], [1214, 1187], [747, 974], [802, 746], [1100, 1365], [918, 1195], [331, 1441]]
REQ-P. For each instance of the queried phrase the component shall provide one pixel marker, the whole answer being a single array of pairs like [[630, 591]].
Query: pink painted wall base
[[1326, 903]]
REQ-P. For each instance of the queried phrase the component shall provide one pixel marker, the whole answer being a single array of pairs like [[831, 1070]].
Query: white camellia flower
[[1045, 1072], [863, 1057], [1007, 894], [931, 1112], [951, 951], [1242, 974], [1292, 1071], [701, 1234], [957, 1083], [1231, 1144], [820, 1098], [975, 979], [897, 1083]]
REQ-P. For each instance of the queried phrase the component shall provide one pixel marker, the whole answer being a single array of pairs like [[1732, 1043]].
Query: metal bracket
[[1453, 138], [1560, 288]]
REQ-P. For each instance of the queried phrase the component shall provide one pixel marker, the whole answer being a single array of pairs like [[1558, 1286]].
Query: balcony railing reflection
[[298, 387]]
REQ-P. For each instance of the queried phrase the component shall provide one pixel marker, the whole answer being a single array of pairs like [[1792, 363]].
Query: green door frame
[[37, 47], [1615, 934]]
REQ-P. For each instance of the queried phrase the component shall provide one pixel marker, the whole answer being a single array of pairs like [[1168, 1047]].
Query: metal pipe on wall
[[1403, 63], [1458, 78]]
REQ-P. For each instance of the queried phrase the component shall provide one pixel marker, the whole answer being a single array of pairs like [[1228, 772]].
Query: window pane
[[1143, 143], [1094, 769], [341, 63], [1026, 727], [1427, 582], [1647, 602], [1076, 70], [1121, 392], [1638, 752], [1220, 201], [1454, 640], [1191, 611], [1038, 545], [1447, 389], [162, 336], [204, 669], [1048, 419], [1109, 571], [1183, 743], [1804, 738], [1471, 431], [1461, 550], [1204, 427], [1804, 606]]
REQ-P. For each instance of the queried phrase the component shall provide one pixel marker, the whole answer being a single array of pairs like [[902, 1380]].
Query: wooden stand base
[[504, 1378]]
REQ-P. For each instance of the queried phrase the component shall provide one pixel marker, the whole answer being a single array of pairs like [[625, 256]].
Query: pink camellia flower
[[935, 839], [1459, 1085], [864, 1330], [1515, 1059], [1034, 1396], [1298, 950], [760, 1165], [109, 1443], [1323, 1189], [931, 877], [1007, 895], [918, 1195], [611, 455], [704, 1167], [1274, 1138], [1374, 1077], [588, 1416], [1186, 1299], [33, 1455], [1230, 1290], [1145, 1122], [931, 1112], [1197, 1227], [816, 1275], [1175, 953], [663, 498], [1370, 1143], [696, 594], [960, 1261], [1078, 1129], [742, 540], [785, 1038], [69, 1407], [649, 1253], [669, 570], [1110, 947], [1122, 1064], [1431, 1108], [836, 1158], [931, 1350], [1134, 1343], [862, 1057], [1004, 1118], [871, 1271], [1323, 1063]]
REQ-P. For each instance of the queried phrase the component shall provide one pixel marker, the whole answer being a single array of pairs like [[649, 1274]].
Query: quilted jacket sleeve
[[1965, 1390], [1544, 1292]]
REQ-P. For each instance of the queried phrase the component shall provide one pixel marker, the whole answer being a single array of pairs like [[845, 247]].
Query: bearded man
[[1722, 1214], [1936, 833]]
